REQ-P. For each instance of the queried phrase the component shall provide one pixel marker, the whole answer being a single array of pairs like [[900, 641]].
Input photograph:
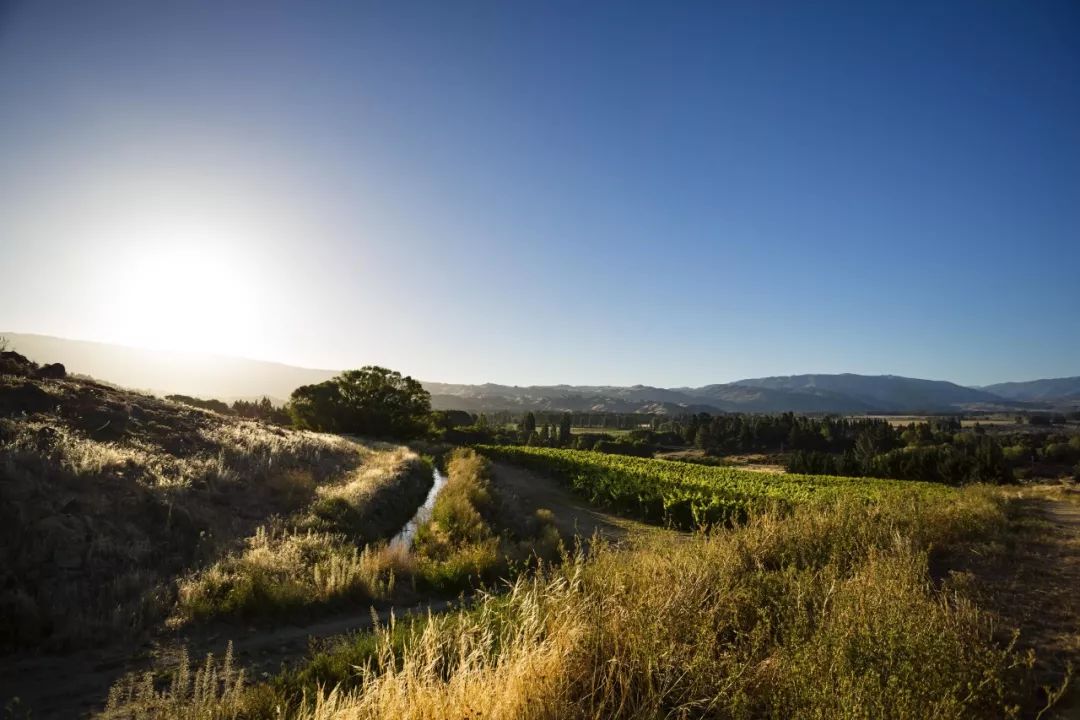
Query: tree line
[[380, 403]]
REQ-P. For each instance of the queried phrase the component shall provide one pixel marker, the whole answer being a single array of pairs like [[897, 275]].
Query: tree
[[372, 401], [565, 423], [528, 425]]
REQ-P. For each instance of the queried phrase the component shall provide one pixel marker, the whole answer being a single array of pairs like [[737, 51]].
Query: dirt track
[[574, 517], [77, 685], [1032, 582]]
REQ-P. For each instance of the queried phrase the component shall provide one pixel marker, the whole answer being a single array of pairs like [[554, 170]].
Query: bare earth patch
[[1032, 582]]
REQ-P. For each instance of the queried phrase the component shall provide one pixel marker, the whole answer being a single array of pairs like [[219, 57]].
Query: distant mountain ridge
[[1038, 390], [227, 378]]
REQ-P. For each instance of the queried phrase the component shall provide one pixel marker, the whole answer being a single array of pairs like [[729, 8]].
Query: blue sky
[[664, 193]]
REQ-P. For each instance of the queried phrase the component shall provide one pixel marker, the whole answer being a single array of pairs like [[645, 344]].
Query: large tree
[[372, 401]]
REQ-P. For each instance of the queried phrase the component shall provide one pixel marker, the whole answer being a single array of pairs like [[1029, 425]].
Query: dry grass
[[215, 690], [281, 572], [108, 496], [828, 612], [319, 560], [475, 536]]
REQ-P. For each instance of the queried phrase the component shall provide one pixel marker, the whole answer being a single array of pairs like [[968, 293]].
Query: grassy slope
[[107, 497], [828, 611]]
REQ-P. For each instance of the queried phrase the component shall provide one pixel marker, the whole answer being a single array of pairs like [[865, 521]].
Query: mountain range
[[228, 378]]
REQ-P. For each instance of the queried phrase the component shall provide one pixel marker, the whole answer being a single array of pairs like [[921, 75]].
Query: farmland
[[891, 593], [687, 494]]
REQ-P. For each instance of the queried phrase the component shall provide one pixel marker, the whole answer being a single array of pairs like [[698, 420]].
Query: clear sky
[[541, 192]]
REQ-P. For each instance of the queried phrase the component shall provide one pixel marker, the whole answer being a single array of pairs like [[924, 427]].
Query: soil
[[1032, 583], [574, 517]]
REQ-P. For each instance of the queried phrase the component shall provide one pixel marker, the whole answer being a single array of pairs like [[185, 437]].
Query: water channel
[[404, 538]]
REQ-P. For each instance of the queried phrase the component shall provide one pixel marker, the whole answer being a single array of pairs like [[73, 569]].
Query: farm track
[[77, 685], [574, 516], [1045, 591], [1032, 582]]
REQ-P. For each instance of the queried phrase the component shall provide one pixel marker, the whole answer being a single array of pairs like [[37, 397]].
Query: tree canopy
[[372, 401]]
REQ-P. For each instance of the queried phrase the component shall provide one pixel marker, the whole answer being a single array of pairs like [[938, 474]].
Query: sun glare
[[183, 292]]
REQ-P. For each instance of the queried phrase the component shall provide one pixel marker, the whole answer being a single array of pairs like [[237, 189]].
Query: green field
[[688, 495], [598, 431]]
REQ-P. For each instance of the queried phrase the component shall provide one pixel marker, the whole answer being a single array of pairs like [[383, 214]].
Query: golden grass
[[282, 572], [96, 532], [284, 568], [828, 612], [379, 467], [214, 690]]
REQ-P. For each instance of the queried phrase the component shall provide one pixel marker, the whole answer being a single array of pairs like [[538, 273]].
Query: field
[[164, 533], [688, 495], [599, 431], [828, 611], [967, 421]]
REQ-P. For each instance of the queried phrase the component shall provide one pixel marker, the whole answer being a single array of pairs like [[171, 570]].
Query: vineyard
[[689, 495]]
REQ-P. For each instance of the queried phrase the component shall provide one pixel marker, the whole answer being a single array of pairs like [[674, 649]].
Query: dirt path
[[77, 685], [573, 515], [1033, 583]]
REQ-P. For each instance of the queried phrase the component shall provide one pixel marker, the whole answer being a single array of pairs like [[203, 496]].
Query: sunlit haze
[[669, 194]]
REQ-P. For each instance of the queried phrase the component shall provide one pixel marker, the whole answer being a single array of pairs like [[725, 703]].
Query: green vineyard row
[[689, 495]]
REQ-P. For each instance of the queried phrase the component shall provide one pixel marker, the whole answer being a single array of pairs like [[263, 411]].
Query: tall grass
[[96, 527], [214, 690], [825, 612], [283, 571], [319, 560], [473, 535]]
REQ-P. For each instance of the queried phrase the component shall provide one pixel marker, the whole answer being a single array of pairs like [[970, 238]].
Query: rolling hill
[[226, 378], [877, 392], [1053, 390]]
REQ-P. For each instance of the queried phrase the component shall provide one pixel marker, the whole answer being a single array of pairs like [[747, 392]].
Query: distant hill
[[186, 373], [878, 392], [1053, 390], [575, 398], [226, 378]]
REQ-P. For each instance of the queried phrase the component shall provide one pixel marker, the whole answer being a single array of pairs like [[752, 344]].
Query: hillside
[[877, 392], [1050, 390], [110, 498]]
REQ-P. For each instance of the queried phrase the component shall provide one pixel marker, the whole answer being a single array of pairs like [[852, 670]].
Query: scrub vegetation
[[314, 564], [115, 506], [828, 611], [782, 595], [319, 558], [475, 534]]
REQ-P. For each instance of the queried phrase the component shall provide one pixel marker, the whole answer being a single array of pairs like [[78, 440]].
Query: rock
[[52, 371], [25, 398], [103, 423], [12, 363]]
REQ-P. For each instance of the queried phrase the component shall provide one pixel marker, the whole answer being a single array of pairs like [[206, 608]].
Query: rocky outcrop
[[52, 371], [12, 363]]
